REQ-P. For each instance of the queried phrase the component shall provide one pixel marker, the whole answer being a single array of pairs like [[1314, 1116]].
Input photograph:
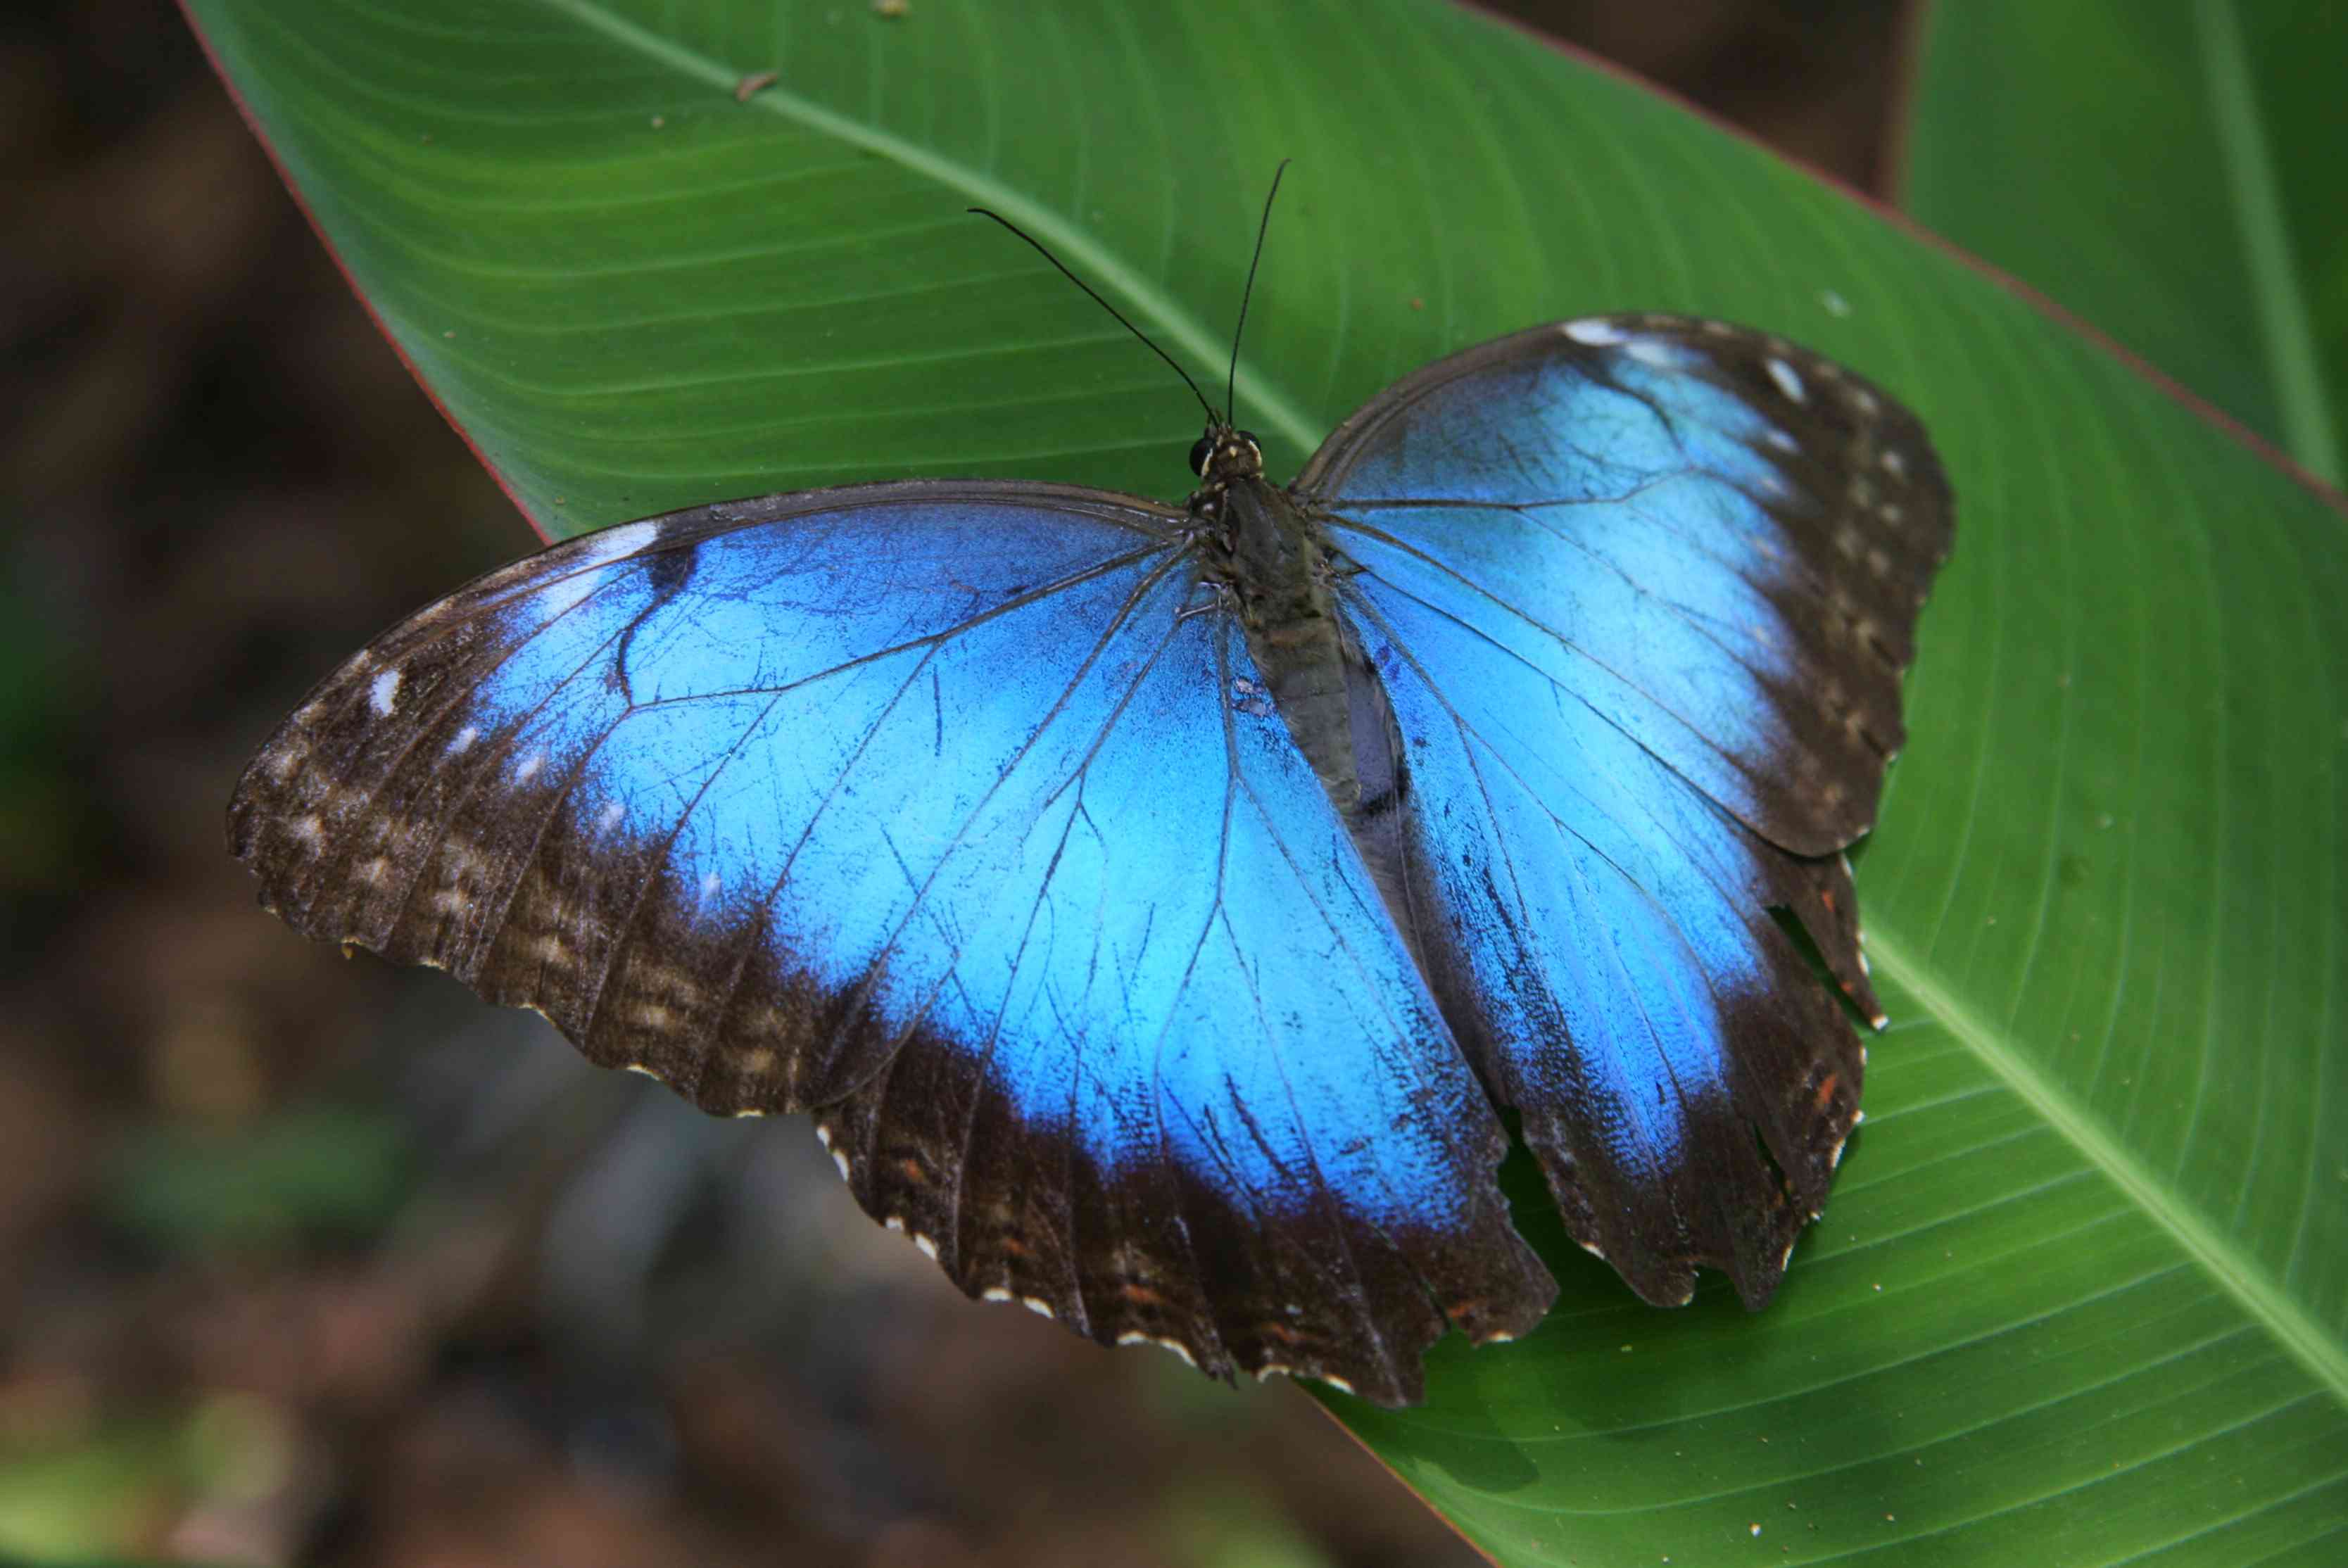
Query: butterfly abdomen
[[1278, 567]]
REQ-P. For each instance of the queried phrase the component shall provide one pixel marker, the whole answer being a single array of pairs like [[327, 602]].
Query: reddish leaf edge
[[334, 253]]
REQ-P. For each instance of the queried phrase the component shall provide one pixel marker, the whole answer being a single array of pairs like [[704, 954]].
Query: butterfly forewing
[[1721, 539]]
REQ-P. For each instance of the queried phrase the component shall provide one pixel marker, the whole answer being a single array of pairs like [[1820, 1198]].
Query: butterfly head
[[1224, 454]]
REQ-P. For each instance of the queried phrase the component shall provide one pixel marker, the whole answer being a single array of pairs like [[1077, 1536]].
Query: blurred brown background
[[311, 1261]]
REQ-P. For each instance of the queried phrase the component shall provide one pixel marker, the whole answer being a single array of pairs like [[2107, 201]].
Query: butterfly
[[1158, 907]]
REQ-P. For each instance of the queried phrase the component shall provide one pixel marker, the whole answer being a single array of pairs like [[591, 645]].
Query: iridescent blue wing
[[954, 814], [1640, 589]]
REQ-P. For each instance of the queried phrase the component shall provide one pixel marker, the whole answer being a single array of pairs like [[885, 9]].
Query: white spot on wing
[[530, 766], [1781, 440], [1787, 380], [1135, 1336], [1596, 333], [610, 820], [1894, 464], [928, 1248], [584, 573], [465, 737], [1037, 1304], [383, 692], [1652, 351], [600, 549]]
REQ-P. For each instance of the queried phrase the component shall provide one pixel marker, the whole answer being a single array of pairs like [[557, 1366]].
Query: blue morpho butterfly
[[1157, 906]]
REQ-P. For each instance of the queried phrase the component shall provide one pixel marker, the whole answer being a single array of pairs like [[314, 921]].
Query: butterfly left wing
[[1640, 591], [953, 813]]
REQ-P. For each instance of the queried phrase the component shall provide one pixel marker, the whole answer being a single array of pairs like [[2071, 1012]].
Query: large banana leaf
[[2082, 1291], [2170, 169]]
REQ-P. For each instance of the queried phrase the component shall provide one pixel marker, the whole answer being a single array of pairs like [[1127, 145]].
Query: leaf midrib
[[1189, 337], [2286, 1321], [2287, 336]]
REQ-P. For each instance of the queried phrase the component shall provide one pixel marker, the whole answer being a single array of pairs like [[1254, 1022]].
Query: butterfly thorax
[[1273, 558]]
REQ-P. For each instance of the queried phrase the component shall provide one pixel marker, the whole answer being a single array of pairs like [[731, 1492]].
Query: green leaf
[[320, 1171], [2168, 170], [2080, 1293]]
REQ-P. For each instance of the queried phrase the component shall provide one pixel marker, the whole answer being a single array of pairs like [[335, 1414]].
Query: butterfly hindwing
[[956, 814], [1639, 590]]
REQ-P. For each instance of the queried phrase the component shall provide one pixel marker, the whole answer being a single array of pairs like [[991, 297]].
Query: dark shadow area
[[1815, 962]]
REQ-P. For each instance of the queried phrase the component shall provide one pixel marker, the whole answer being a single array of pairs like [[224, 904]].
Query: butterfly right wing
[[956, 814], [1639, 590]]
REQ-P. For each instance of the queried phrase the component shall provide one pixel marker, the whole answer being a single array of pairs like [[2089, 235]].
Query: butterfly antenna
[[1230, 383], [1097, 299]]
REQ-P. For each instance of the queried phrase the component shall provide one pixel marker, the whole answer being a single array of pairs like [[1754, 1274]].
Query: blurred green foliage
[[330, 1173]]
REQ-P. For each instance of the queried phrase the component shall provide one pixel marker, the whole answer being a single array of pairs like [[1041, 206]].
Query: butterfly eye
[[1199, 453]]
